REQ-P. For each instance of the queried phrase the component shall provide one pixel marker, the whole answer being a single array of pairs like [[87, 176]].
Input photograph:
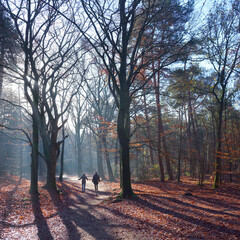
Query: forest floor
[[160, 211]]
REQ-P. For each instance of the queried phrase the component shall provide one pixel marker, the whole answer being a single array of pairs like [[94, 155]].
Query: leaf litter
[[159, 211]]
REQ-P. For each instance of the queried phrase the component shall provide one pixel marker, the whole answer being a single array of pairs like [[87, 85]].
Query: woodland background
[[151, 86]]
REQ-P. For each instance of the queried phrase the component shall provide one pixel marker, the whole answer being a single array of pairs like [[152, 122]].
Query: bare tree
[[223, 51], [103, 112], [50, 54], [117, 32]]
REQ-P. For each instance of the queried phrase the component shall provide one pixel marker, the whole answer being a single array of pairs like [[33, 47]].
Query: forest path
[[161, 211], [88, 219], [69, 215]]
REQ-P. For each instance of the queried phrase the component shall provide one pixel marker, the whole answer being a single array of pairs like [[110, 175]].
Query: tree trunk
[[99, 159], [1, 67], [180, 149], [162, 176], [21, 161], [191, 160], [79, 161], [123, 129], [148, 129], [218, 159], [62, 156], [35, 142], [90, 152], [164, 142], [51, 149], [51, 174], [34, 157], [196, 140], [116, 162], [109, 167]]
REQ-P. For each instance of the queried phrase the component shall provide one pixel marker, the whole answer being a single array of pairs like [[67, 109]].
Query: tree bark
[[123, 129], [180, 148], [62, 156], [51, 148], [34, 159], [116, 158], [99, 159], [109, 167], [51, 174], [162, 175], [148, 129], [90, 152], [218, 159], [35, 141], [2, 54], [79, 162]]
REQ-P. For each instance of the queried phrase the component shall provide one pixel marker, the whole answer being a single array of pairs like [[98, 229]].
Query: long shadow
[[189, 205], [185, 186], [219, 214], [189, 219], [9, 200], [99, 192], [217, 202], [208, 200], [131, 218], [43, 229], [148, 225], [76, 217], [230, 189]]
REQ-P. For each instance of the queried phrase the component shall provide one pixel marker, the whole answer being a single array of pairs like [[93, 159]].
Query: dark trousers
[[83, 187]]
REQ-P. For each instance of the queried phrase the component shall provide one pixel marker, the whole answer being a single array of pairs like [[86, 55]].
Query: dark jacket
[[96, 178], [84, 178]]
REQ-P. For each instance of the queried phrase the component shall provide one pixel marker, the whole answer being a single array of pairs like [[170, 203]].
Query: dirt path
[[67, 216], [85, 220], [89, 219]]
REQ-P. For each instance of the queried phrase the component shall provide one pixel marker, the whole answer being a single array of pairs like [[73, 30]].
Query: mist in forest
[[131, 99]]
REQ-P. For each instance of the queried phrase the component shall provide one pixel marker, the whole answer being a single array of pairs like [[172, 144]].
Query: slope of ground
[[161, 211]]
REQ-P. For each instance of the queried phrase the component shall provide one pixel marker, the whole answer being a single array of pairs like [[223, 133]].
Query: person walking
[[96, 180], [84, 178]]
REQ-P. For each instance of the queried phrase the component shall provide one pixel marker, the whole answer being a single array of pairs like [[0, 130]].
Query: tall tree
[[8, 42], [50, 54], [103, 109], [118, 41], [222, 49]]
